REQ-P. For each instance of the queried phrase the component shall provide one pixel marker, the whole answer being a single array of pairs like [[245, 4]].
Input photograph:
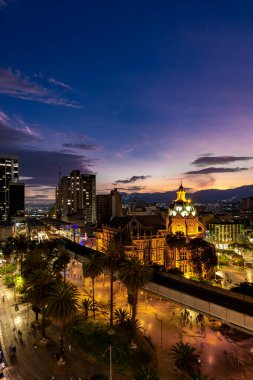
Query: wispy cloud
[[136, 188], [82, 146], [14, 84], [216, 170], [124, 153], [27, 128], [134, 178], [129, 188], [3, 117], [11, 136], [59, 83], [218, 160], [200, 181]]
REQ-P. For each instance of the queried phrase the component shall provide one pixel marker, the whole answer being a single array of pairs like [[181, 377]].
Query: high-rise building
[[109, 206], [76, 198], [11, 190]]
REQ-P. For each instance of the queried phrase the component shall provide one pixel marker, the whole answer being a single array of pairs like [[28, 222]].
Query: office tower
[[109, 206], [16, 200], [76, 198], [11, 190], [116, 202], [103, 208]]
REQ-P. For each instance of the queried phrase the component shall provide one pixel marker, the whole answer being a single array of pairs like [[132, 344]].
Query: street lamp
[[110, 355]]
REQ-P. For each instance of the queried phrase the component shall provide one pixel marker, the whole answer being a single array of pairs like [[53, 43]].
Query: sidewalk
[[160, 320]]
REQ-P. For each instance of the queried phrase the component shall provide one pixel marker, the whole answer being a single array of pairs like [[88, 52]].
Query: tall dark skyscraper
[[109, 206], [11, 190], [76, 198]]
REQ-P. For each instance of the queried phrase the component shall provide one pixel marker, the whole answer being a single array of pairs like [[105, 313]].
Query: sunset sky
[[143, 93]]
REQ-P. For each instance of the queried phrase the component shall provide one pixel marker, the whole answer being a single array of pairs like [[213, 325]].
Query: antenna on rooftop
[[59, 174]]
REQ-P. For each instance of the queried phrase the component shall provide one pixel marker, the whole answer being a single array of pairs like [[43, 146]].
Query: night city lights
[[126, 190]]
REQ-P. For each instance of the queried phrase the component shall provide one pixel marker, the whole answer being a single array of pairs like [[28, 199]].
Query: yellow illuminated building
[[182, 217], [146, 236]]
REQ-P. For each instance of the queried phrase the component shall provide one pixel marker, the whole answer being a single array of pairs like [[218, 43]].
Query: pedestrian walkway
[[166, 323]]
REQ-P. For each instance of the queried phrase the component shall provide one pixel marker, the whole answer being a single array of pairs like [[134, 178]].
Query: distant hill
[[202, 196]]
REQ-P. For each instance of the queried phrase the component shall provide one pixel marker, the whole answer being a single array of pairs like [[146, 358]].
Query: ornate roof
[[182, 206]]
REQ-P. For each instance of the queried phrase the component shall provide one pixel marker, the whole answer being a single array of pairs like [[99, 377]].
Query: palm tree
[[112, 260], [185, 357], [33, 261], [175, 242], [171, 243], [61, 261], [135, 275], [36, 289], [144, 373], [21, 246], [121, 315], [62, 307], [93, 267], [87, 305]]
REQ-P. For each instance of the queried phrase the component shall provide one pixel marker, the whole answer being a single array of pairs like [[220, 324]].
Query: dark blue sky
[[135, 91]]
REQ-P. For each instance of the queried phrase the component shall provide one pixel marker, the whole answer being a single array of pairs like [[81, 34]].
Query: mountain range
[[202, 196]]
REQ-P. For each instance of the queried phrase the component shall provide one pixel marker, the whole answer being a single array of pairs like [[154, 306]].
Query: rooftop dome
[[182, 205]]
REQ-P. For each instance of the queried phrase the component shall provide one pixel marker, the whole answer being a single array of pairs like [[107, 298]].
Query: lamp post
[[110, 356], [161, 321], [110, 348]]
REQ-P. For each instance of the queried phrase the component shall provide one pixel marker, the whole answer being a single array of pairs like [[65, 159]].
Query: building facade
[[223, 233], [76, 198], [154, 240], [183, 218], [142, 236], [11, 190], [108, 206]]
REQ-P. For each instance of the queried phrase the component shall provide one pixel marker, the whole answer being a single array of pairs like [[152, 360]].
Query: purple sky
[[142, 93]]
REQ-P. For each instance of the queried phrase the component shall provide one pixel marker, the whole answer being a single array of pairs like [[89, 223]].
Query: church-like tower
[[182, 216]]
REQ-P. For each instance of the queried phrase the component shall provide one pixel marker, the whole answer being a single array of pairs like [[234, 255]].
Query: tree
[[87, 305], [121, 316], [62, 306], [112, 260], [135, 275], [61, 261], [171, 243], [7, 248], [238, 259], [20, 247], [176, 242], [224, 260], [146, 373], [185, 357], [34, 260], [36, 291], [203, 256], [92, 267]]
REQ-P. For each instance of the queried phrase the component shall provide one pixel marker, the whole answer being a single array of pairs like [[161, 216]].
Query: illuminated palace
[[145, 235], [182, 221]]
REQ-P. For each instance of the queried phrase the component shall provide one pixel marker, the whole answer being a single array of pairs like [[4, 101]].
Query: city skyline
[[144, 96]]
